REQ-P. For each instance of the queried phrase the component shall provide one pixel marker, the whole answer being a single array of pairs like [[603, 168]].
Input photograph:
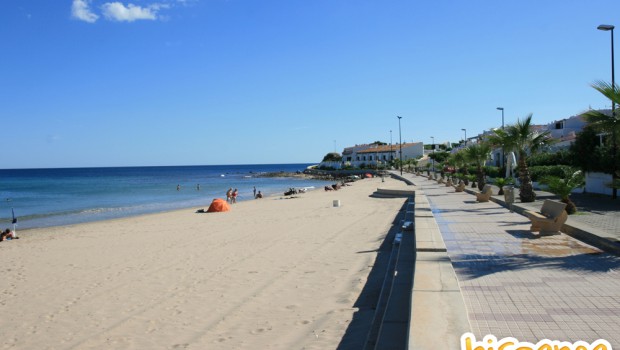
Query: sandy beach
[[273, 273]]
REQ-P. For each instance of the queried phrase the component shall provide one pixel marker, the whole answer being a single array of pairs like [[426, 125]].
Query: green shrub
[[332, 157], [538, 172], [492, 171], [557, 158]]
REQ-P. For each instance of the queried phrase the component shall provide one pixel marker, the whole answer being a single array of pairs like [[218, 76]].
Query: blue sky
[[171, 82]]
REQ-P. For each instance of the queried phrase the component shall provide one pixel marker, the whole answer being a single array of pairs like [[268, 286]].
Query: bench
[[485, 195], [460, 187], [550, 219]]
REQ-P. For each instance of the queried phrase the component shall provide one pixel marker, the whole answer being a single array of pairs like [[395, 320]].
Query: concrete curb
[[438, 311]]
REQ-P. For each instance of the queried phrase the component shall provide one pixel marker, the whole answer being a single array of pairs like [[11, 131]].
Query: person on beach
[[8, 235], [254, 191], [234, 196], [229, 195], [259, 195], [178, 187]]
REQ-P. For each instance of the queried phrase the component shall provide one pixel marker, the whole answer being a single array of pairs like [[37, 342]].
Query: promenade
[[517, 284]]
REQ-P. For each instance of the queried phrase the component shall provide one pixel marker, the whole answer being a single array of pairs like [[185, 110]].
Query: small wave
[[101, 210]]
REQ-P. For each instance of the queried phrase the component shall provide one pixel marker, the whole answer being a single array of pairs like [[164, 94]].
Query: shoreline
[[271, 273], [169, 211]]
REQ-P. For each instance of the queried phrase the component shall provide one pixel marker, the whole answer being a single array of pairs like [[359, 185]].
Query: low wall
[[598, 183]]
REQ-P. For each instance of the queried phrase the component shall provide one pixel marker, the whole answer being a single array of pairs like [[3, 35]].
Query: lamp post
[[609, 27], [400, 142], [502, 109], [503, 154], [433, 159], [465, 141], [391, 152]]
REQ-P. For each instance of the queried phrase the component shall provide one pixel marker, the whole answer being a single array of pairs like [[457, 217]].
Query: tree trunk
[[481, 181], [465, 173], [571, 208], [526, 191]]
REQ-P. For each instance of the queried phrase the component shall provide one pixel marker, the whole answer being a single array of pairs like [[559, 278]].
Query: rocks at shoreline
[[298, 174], [284, 174]]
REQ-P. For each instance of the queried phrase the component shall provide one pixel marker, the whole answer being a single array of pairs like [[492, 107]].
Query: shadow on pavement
[[473, 266], [355, 336]]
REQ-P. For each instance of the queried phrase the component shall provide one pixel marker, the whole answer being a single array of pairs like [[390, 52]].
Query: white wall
[[598, 183], [335, 165]]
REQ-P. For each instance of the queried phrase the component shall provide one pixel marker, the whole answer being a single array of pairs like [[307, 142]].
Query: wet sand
[[272, 273]]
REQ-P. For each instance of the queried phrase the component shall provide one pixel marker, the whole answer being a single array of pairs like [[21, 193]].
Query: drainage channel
[[391, 327]]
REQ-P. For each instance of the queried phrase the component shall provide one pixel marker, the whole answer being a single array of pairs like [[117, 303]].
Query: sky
[[95, 83]]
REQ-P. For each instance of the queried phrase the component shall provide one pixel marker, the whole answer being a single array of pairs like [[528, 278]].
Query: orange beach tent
[[218, 205]]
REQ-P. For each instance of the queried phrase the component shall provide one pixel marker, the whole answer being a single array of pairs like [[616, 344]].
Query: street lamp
[[609, 27], [465, 143], [502, 109], [433, 159], [391, 152], [503, 153], [400, 142]]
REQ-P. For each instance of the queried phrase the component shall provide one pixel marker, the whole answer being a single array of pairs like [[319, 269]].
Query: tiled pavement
[[517, 284], [599, 212]]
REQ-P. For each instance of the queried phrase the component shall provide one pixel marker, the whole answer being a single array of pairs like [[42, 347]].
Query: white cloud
[[116, 11], [81, 11]]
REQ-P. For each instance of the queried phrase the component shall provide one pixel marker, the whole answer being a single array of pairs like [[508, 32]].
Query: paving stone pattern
[[518, 284]]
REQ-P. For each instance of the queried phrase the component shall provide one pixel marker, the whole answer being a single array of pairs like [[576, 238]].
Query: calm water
[[52, 197]]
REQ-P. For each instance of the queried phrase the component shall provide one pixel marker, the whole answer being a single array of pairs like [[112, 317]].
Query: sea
[[65, 196]]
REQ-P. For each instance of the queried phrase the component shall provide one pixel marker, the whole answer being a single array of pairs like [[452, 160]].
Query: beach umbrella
[[218, 205]]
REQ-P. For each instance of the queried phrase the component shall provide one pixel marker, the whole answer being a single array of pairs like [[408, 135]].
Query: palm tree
[[608, 123], [523, 139], [563, 186], [479, 153], [501, 182], [460, 162]]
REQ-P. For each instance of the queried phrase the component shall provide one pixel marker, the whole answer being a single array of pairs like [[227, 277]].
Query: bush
[[538, 172], [561, 157], [589, 155], [492, 171], [332, 157]]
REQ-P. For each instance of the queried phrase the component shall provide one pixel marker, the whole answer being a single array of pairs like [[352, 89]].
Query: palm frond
[[612, 92]]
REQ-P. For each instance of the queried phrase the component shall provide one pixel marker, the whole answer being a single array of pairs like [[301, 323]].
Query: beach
[[272, 273]]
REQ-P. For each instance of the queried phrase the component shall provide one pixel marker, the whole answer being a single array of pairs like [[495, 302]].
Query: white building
[[374, 155]]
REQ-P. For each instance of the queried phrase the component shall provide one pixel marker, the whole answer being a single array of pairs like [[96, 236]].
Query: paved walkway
[[517, 284], [597, 221]]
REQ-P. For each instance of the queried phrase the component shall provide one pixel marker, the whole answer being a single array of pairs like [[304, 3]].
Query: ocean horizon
[[45, 197]]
